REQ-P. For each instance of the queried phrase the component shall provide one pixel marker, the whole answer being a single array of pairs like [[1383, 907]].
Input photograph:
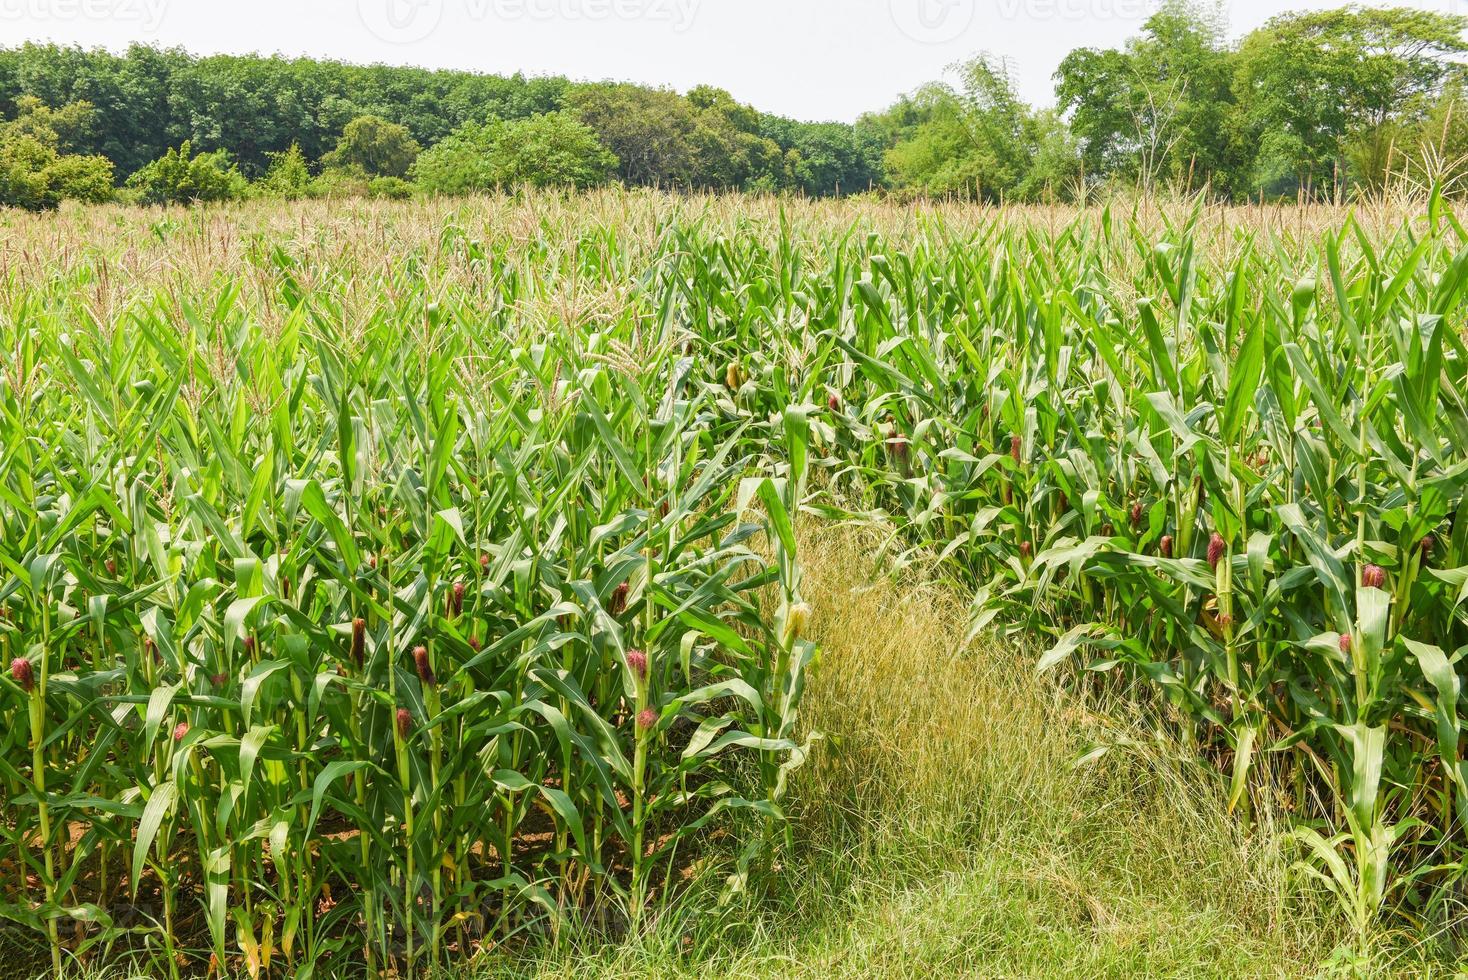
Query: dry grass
[[115, 252], [964, 761]]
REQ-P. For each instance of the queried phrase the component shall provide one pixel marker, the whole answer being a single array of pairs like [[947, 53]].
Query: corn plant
[[387, 585], [382, 643]]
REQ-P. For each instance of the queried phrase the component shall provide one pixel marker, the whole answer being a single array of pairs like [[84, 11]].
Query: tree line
[[1317, 104]]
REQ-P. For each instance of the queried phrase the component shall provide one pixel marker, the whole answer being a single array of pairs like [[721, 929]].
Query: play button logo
[[934, 21], [400, 21]]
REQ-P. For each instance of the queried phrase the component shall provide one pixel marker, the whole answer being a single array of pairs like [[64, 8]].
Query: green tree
[[255, 108], [81, 177], [1161, 109], [340, 182], [376, 147], [979, 140], [833, 158], [935, 153], [1054, 171], [390, 188], [729, 150], [1326, 90], [67, 127], [552, 149], [650, 131], [1435, 151], [24, 165], [458, 164]]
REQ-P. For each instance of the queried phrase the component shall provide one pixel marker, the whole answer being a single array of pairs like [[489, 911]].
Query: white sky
[[811, 59]]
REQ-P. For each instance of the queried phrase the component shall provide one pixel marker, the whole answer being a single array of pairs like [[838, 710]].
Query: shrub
[[391, 188], [180, 177], [82, 178], [35, 171], [288, 177], [23, 181], [340, 182], [460, 164]]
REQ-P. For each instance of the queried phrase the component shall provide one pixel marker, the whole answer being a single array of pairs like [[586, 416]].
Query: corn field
[[384, 584]]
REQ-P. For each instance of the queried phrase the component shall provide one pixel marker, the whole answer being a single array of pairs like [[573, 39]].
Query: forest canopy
[[1317, 104]]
